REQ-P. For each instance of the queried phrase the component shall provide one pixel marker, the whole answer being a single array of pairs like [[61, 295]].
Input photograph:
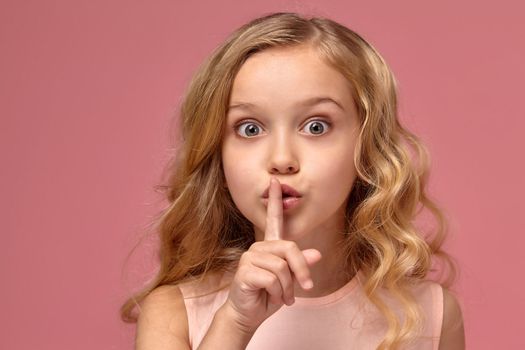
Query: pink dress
[[344, 319]]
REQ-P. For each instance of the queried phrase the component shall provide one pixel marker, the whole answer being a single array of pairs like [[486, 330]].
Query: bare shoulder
[[163, 322], [452, 331]]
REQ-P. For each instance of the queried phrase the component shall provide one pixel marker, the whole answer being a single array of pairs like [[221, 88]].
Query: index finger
[[274, 213]]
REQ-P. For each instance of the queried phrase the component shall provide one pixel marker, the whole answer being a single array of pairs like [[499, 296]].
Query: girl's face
[[277, 125]]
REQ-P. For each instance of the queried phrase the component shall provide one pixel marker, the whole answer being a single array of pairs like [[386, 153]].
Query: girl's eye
[[247, 129], [250, 129], [317, 127]]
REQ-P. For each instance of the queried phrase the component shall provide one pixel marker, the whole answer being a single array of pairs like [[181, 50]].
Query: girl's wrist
[[225, 333], [227, 315]]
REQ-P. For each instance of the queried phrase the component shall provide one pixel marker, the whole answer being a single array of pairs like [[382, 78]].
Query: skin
[[310, 148]]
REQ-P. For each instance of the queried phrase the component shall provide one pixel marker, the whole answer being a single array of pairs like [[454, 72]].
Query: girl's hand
[[264, 279]]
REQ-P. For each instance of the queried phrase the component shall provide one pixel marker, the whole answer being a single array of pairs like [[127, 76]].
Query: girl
[[292, 201]]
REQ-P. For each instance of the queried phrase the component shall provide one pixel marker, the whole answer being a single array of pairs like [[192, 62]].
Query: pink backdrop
[[87, 89]]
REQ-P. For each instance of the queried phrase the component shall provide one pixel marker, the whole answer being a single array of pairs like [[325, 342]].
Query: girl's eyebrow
[[312, 101]]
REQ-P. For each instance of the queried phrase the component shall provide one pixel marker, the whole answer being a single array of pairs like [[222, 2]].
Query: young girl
[[292, 202]]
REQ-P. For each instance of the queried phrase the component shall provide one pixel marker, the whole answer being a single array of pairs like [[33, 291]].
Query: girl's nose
[[282, 157]]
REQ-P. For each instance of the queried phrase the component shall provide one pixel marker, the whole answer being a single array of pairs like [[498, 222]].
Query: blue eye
[[317, 127], [250, 129]]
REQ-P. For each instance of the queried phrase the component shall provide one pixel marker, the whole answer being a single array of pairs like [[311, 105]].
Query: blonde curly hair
[[202, 231]]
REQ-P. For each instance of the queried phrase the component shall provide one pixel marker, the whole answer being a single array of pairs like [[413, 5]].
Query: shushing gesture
[[266, 273]]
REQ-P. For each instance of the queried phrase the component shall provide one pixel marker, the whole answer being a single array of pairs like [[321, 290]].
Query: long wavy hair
[[201, 230]]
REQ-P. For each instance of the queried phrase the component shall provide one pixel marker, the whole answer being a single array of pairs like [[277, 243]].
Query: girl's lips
[[290, 197], [287, 190], [288, 202]]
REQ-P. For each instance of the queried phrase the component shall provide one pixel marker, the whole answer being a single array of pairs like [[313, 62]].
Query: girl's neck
[[328, 276]]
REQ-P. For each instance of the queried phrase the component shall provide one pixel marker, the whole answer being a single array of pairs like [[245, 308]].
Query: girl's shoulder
[[172, 314], [444, 307], [163, 320], [427, 294], [453, 332], [427, 288]]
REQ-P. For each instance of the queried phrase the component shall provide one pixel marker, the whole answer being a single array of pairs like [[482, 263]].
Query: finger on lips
[[274, 213]]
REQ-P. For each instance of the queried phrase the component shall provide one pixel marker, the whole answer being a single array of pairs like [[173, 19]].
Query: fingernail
[[308, 284]]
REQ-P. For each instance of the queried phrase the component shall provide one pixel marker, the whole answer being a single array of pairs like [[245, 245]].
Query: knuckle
[[282, 266], [290, 245], [250, 275], [245, 257], [272, 279], [256, 246], [242, 270]]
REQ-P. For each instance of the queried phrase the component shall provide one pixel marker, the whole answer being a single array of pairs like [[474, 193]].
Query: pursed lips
[[287, 191]]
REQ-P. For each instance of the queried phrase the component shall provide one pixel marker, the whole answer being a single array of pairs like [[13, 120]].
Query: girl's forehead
[[288, 76]]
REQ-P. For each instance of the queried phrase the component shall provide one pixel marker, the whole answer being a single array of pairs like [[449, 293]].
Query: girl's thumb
[[312, 256]]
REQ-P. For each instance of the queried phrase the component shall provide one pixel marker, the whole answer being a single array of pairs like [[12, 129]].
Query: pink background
[[87, 90]]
